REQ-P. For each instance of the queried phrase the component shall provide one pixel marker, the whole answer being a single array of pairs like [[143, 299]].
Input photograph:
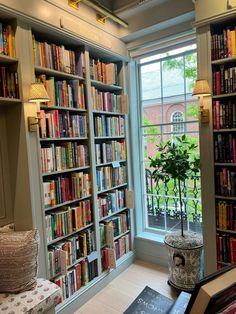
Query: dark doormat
[[149, 301]]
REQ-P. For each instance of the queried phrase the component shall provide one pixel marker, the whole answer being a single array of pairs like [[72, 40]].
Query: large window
[[168, 110]]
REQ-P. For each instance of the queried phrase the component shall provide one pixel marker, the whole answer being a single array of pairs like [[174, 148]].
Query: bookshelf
[[223, 63], [10, 108], [83, 162]]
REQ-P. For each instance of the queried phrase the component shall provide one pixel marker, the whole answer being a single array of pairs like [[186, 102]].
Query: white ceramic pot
[[184, 259]]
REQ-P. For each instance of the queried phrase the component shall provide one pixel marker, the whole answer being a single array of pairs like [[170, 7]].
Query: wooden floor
[[119, 294]]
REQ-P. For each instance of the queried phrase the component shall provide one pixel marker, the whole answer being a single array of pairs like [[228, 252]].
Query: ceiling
[[150, 20]]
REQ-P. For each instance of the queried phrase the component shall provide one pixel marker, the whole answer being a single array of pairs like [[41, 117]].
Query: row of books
[[9, 85], [64, 254], [110, 151], [64, 156], [121, 247], [226, 248], [78, 276], [108, 177], [103, 72], [109, 102], [224, 80], [109, 126], [67, 220], [225, 182], [226, 215], [7, 40], [68, 94], [223, 43], [225, 147], [224, 114], [56, 124], [58, 58], [109, 203], [114, 226], [66, 188]]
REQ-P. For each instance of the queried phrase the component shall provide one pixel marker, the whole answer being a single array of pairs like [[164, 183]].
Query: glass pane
[[150, 81], [151, 113], [173, 77], [192, 110], [190, 71], [149, 145]]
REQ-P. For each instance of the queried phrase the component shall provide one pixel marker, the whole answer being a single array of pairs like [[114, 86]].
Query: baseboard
[[92, 288]]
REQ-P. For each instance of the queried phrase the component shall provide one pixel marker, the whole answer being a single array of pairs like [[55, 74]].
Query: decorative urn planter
[[184, 254]]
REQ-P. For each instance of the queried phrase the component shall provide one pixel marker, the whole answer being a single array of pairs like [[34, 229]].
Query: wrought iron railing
[[162, 200]]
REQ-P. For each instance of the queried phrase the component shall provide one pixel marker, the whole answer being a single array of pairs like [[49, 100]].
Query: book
[[149, 301], [213, 287]]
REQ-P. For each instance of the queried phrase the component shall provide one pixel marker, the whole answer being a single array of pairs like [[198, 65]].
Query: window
[[176, 119], [167, 109]]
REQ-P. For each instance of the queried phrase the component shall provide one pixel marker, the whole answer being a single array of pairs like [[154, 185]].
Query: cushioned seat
[[41, 299]]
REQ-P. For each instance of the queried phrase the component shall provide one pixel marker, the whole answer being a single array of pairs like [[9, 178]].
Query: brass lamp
[[38, 94], [201, 89]]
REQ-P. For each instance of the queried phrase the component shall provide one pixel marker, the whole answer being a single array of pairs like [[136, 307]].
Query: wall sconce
[[201, 89], [38, 94]]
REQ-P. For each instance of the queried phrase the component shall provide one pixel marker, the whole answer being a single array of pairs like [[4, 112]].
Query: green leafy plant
[[176, 159]]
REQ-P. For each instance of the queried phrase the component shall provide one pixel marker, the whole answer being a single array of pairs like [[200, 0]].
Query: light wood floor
[[119, 294]]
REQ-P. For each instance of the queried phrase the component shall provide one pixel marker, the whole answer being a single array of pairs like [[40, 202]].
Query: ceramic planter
[[184, 259]]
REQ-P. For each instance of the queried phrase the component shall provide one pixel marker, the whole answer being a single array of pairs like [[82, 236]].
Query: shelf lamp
[[201, 89], [38, 94]]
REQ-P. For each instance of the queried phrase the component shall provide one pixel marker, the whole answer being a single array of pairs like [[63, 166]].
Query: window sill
[[152, 237]]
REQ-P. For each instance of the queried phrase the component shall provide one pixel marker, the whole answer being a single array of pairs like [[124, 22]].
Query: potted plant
[[175, 160]]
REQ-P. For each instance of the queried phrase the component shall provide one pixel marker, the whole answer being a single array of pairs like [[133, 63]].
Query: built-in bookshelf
[[109, 108], [83, 156], [223, 55], [66, 167], [10, 108]]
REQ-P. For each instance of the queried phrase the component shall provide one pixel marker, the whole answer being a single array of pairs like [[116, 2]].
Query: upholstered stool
[[42, 299]]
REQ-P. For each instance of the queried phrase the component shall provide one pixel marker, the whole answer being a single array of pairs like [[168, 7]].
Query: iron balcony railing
[[162, 202]]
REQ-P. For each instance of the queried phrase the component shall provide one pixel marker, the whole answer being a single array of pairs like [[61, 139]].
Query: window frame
[[144, 214]]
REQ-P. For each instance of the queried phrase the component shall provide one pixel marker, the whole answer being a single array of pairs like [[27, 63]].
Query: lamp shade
[[38, 93], [201, 88]]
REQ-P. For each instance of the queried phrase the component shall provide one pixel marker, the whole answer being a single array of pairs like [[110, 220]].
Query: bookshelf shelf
[[228, 164], [224, 96], [223, 61], [121, 235], [55, 73], [113, 188], [224, 130], [230, 198], [62, 108], [109, 137], [52, 139], [66, 203], [112, 214], [9, 101], [226, 230], [7, 59], [65, 171], [105, 87], [110, 163], [109, 113], [69, 235]]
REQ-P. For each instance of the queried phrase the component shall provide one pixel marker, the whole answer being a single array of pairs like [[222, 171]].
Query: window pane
[[150, 81], [190, 71], [173, 77]]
